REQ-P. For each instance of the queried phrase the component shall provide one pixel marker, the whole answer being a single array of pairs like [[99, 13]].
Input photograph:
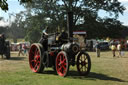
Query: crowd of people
[[23, 49], [114, 48], [118, 48]]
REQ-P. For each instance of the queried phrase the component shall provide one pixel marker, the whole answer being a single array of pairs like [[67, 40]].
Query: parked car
[[103, 46]]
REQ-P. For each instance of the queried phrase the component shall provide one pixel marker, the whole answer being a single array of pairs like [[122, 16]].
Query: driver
[[63, 37], [44, 39], [45, 31]]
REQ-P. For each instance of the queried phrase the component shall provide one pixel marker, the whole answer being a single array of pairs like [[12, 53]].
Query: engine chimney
[[70, 25]]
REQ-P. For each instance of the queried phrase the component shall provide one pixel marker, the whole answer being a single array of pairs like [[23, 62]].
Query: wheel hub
[[83, 63]]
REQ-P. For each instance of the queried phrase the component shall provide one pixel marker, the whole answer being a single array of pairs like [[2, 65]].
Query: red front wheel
[[35, 58], [62, 64]]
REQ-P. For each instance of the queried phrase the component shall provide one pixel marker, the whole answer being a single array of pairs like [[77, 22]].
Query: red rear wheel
[[35, 58], [83, 63], [62, 65]]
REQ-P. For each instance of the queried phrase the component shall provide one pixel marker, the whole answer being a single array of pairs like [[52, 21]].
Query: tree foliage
[[108, 27], [83, 10], [53, 13], [4, 4], [3, 29], [16, 30], [58, 9]]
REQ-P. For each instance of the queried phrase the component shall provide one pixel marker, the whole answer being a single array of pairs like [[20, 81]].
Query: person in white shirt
[[119, 49]]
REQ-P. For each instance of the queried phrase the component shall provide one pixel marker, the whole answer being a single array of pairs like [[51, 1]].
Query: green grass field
[[105, 70]]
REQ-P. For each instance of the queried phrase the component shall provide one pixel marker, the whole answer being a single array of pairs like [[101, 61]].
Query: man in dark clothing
[[2, 43], [97, 49], [63, 36], [44, 39]]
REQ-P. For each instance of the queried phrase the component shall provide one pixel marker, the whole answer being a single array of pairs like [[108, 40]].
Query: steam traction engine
[[60, 54], [4, 47]]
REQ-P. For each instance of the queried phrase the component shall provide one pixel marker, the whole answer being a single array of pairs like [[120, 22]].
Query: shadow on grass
[[17, 58], [93, 76], [50, 72]]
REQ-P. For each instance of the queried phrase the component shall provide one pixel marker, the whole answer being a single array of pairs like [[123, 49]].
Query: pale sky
[[15, 7]]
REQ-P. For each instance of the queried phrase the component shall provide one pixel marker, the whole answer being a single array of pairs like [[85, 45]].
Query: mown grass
[[105, 70]]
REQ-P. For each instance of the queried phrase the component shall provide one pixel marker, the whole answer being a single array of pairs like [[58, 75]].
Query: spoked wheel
[[62, 64], [83, 63], [35, 58]]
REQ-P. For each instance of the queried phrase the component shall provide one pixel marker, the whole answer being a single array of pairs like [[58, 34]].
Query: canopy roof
[[79, 32]]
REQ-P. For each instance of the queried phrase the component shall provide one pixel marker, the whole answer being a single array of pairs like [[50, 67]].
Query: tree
[[53, 13], [125, 32], [3, 29], [57, 9], [113, 28], [1, 18], [33, 35], [4, 4], [85, 10], [16, 30]]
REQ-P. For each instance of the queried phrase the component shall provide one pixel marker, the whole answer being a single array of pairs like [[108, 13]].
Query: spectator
[[91, 45], [97, 49], [113, 48], [25, 49], [20, 50], [119, 49]]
